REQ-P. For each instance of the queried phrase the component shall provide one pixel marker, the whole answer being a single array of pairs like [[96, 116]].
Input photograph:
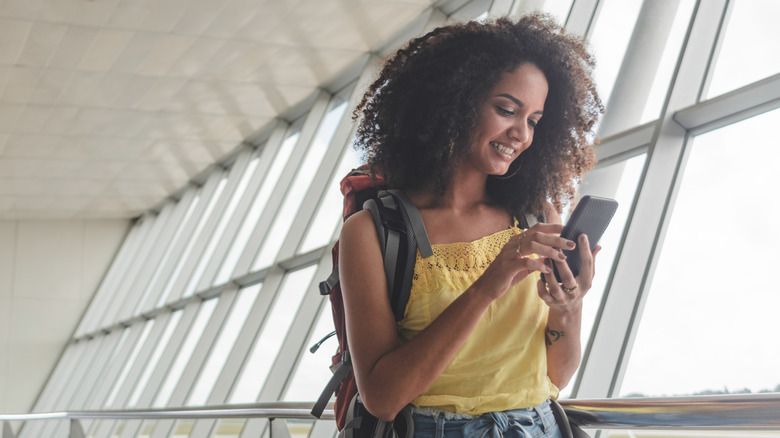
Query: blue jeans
[[533, 422]]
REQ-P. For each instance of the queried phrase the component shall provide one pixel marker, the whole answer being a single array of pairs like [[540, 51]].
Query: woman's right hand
[[522, 255]]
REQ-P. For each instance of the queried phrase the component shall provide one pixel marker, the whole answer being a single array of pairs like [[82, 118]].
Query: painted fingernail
[[570, 244], [561, 256]]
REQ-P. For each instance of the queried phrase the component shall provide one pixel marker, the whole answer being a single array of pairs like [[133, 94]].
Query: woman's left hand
[[570, 290]]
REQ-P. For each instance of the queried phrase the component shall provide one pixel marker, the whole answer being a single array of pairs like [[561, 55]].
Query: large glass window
[[270, 340], [225, 216], [224, 343], [303, 179], [671, 54], [329, 213], [711, 309], [166, 259], [128, 365], [609, 41], [627, 174], [185, 352], [559, 9], [313, 372], [184, 256], [257, 208], [749, 49], [94, 399], [151, 364], [630, 171]]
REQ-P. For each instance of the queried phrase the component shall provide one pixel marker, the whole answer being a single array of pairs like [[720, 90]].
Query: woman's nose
[[520, 133]]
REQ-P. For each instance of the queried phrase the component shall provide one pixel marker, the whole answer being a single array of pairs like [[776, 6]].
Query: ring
[[568, 290], [519, 241]]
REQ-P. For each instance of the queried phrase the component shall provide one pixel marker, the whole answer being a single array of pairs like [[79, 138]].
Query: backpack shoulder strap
[[529, 220], [414, 220], [401, 233]]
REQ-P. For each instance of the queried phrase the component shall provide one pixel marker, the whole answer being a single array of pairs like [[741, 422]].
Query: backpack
[[401, 233]]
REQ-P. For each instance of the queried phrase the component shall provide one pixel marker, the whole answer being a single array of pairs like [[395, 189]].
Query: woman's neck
[[465, 191]]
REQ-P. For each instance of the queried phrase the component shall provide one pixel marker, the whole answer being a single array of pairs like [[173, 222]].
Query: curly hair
[[419, 115]]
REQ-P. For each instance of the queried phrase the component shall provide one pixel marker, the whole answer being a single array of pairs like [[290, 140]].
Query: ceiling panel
[[109, 106]]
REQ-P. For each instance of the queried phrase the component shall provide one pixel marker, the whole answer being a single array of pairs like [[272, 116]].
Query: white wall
[[49, 271]]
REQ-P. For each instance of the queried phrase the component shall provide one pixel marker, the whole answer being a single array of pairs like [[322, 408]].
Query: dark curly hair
[[419, 115]]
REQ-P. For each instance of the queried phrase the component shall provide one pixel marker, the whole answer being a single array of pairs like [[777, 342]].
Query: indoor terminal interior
[[169, 198]]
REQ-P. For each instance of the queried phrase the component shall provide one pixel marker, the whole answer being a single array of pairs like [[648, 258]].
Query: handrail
[[287, 410], [756, 412]]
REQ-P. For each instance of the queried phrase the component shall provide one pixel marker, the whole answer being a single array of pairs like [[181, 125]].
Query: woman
[[478, 124]]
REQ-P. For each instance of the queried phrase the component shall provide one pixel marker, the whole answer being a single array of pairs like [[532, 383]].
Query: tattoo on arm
[[551, 336]]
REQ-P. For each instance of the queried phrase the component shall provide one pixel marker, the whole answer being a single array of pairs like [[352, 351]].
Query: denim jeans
[[533, 422]]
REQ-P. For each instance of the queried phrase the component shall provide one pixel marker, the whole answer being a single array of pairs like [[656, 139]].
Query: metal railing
[[748, 412], [276, 412]]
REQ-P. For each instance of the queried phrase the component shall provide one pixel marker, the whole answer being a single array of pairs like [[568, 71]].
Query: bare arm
[[389, 376]]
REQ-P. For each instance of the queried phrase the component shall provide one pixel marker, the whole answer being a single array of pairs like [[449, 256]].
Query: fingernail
[[570, 244], [561, 256]]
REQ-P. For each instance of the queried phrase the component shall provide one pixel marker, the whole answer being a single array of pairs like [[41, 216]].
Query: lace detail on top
[[457, 265]]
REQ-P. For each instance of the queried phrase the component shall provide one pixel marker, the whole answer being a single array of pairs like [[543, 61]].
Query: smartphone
[[591, 217]]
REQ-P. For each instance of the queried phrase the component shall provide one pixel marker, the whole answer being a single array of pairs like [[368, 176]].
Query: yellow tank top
[[503, 364]]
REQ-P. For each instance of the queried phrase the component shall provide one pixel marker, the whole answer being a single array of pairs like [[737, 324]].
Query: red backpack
[[401, 232]]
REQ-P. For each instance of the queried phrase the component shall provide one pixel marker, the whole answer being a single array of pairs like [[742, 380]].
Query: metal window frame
[[234, 174], [158, 287], [105, 295], [608, 349], [183, 262], [126, 291], [153, 263], [308, 132]]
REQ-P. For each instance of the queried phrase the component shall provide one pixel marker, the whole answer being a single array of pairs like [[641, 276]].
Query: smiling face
[[507, 119]]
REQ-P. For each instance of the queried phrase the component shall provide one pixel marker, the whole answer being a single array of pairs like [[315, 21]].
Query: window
[[269, 342], [225, 217], [185, 255], [671, 53], [166, 259], [130, 361], [609, 41], [185, 352], [629, 172], [711, 307], [223, 345], [257, 208], [329, 213], [312, 373], [303, 179], [151, 364], [749, 49]]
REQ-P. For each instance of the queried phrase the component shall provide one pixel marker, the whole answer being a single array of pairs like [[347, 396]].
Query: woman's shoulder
[[357, 224]]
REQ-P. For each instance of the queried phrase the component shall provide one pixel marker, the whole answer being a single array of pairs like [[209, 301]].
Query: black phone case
[[590, 217]]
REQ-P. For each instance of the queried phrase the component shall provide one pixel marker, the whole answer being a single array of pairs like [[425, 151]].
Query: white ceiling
[[108, 106]]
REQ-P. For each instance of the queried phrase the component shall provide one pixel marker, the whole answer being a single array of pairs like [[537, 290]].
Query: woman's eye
[[533, 123], [504, 111]]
